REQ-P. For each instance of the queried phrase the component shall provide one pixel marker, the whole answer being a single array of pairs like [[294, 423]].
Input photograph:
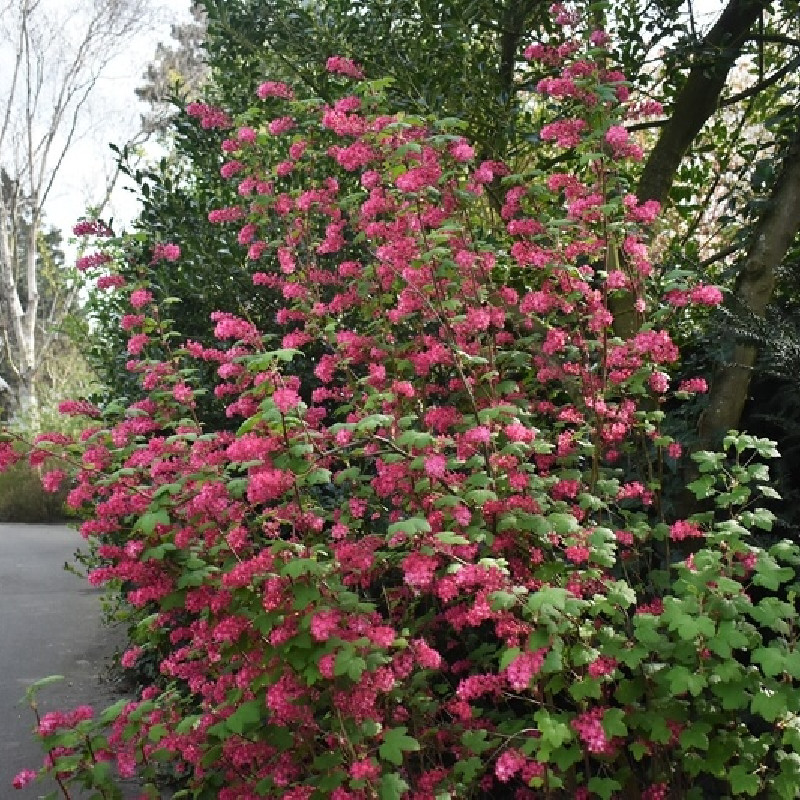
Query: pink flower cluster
[[91, 227], [209, 116], [92, 260], [344, 66], [166, 252]]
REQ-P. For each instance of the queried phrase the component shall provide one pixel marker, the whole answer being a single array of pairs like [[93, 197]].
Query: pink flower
[[324, 624], [509, 764], [166, 252], [462, 150], [183, 394], [589, 727], [22, 779], [706, 295], [365, 770], [418, 570], [344, 66], [267, 484], [137, 342], [246, 135], [435, 465], [51, 481], [92, 260], [130, 657], [110, 282], [577, 554], [656, 791], [231, 168], [692, 385], [617, 136], [566, 133], [604, 665], [285, 399], [209, 116], [280, 125], [91, 227], [523, 668], [659, 382], [140, 298], [426, 656], [222, 215], [683, 529], [275, 89]]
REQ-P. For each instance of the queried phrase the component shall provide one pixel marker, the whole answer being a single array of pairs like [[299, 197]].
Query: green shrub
[[24, 499]]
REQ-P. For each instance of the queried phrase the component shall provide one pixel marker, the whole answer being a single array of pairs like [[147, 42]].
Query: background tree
[[63, 369], [177, 72], [55, 58]]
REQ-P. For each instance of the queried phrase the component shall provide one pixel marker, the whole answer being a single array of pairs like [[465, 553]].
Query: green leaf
[[247, 716], [448, 537], [771, 659], [475, 741], [478, 497], [409, 526], [112, 712], [604, 787], [467, 769], [771, 577], [318, 477], [681, 680], [147, 522], [703, 487], [348, 663], [743, 780], [613, 722], [563, 524], [300, 566], [392, 786], [553, 597], [554, 733], [763, 518], [619, 593], [30, 692], [769, 704], [695, 735], [395, 743], [638, 750]]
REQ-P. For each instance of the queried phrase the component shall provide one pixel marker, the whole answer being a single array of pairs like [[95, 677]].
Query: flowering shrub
[[436, 562]]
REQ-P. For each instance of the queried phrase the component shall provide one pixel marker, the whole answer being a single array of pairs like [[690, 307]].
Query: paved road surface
[[49, 624]]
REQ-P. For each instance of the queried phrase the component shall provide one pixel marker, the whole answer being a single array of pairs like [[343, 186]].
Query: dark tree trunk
[[772, 237]]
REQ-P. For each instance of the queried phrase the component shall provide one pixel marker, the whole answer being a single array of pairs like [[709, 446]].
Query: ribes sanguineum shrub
[[435, 561]]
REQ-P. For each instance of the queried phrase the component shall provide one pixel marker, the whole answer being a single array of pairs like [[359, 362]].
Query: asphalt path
[[50, 624]]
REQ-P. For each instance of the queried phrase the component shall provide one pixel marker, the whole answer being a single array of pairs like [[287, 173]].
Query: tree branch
[[699, 97], [785, 70]]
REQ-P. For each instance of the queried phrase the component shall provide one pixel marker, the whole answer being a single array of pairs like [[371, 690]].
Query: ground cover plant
[[431, 555]]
